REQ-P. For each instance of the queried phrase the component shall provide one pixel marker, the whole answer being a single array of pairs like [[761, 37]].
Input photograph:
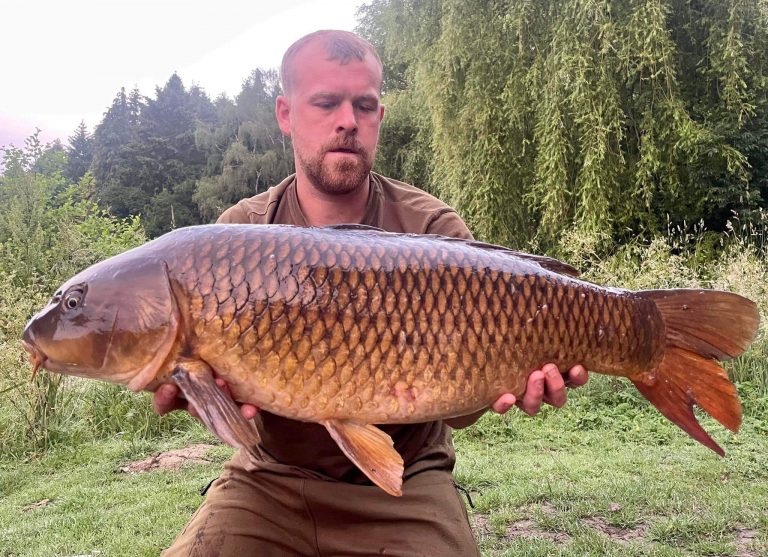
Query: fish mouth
[[39, 360], [36, 357]]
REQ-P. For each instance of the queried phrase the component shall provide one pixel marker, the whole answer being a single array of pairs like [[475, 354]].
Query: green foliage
[[49, 230], [113, 156], [108, 410], [538, 118], [247, 152], [736, 261], [146, 158], [405, 125], [178, 159]]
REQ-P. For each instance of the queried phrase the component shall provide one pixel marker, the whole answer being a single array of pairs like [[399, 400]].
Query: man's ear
[[283, 114], [381, 113]]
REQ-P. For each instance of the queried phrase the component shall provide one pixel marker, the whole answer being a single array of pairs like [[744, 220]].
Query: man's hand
[[544, 385], [168, 398]]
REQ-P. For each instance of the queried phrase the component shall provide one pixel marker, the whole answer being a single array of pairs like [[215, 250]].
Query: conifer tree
[[79, 154], [145, 150]]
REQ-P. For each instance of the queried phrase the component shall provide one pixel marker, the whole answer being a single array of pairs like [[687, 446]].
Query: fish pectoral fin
[[216, 409], [372, 451]]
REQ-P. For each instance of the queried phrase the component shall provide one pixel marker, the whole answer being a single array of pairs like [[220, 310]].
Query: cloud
[[71, 58]]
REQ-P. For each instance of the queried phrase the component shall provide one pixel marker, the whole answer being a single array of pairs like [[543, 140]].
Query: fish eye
[[73, 299]]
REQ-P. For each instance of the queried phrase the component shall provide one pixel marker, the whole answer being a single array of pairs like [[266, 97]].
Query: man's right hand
[[168, 398]]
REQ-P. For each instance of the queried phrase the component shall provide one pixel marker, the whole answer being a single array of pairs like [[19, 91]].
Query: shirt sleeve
[[449, 223], [234, 215]]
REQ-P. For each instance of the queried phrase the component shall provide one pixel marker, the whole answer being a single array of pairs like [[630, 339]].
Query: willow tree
[[535, 117]]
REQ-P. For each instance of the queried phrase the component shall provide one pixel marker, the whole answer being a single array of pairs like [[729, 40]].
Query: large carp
[[350, 326]]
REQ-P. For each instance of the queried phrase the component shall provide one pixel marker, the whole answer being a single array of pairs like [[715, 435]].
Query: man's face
[[332, 114]]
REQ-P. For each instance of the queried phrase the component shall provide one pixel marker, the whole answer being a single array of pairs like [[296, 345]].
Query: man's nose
[[346, 119]]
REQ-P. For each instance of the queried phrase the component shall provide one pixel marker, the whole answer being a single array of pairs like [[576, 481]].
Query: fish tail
[[702, 326]]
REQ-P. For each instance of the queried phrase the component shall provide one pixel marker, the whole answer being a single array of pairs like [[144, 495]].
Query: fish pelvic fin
[[372, 451], [702, 326], [216, 409]]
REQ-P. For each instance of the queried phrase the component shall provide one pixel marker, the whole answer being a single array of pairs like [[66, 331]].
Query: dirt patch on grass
[[518, 529], [744, 539], [615, 533], [528, 529], [479, 522], [170, 460]]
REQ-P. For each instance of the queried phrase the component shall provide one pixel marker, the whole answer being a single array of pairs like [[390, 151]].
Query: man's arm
[[545, 385]]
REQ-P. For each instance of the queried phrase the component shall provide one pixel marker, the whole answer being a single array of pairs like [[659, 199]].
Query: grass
[[87, 506], [544, 487], [583, 480]]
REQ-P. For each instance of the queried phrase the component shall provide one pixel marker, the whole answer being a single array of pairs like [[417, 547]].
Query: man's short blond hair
[[340, 45]]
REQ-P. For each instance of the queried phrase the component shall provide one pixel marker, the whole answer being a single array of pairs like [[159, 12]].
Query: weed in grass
[[113, 410]]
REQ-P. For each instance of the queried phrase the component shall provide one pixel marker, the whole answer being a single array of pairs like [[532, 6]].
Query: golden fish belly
[[320, 324]]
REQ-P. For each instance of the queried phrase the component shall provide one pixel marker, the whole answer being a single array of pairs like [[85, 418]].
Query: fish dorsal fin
[[350, 226], [542, 261], [548, 263], [372, 451]]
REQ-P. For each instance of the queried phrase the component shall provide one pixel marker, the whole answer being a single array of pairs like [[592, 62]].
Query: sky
[[64, 61]]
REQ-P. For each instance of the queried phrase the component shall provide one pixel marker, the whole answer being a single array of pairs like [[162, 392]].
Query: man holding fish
[[300, 495]]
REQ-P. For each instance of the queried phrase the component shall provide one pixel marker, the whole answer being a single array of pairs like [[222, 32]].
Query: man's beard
[[340, 176]]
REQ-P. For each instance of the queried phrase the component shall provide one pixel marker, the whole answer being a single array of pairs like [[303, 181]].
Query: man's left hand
[[544, 385]]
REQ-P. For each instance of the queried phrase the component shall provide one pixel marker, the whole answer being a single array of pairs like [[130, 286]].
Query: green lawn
[[594, 494], [577, 481]]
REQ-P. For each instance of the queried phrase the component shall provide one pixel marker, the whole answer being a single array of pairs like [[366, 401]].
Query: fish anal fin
[[684, 379], [216, 409], [372, 451]]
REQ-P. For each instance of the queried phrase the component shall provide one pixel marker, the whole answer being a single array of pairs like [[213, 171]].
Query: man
[[301, 495]]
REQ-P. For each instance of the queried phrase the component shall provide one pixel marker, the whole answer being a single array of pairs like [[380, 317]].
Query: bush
[[49, 230]]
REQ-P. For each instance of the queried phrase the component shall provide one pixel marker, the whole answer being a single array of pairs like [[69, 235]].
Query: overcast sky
[[64, 61]]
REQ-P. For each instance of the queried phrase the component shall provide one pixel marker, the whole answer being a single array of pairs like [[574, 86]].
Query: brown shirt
[[306, 448]]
